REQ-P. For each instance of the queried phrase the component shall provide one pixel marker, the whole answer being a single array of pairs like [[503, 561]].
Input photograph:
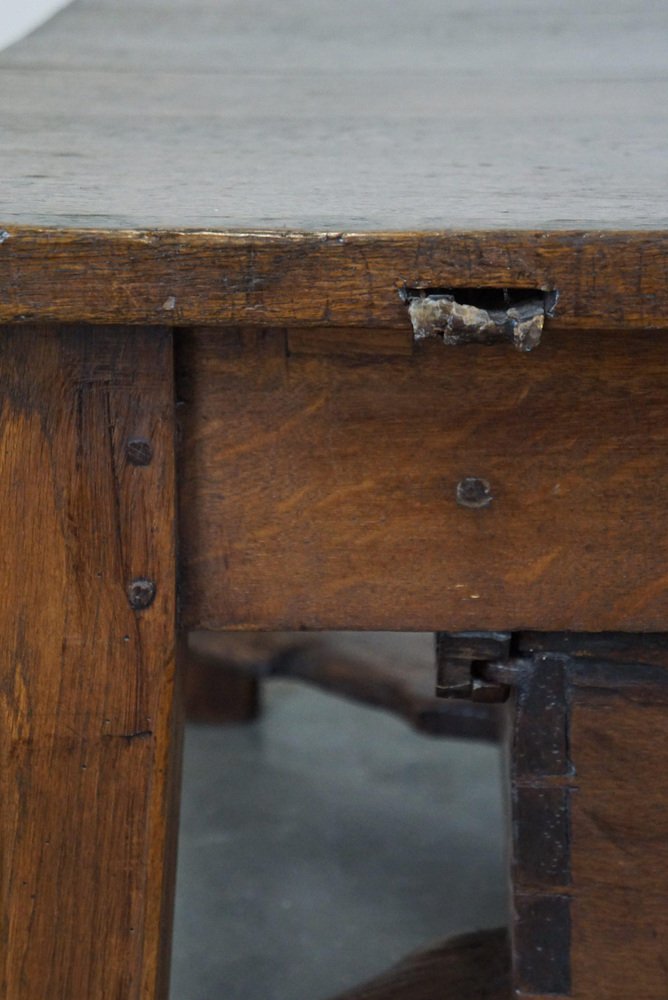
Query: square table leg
[[89, 723], [589, 777]]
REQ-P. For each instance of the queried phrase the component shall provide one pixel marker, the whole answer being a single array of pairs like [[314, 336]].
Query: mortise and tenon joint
[[480, 666]]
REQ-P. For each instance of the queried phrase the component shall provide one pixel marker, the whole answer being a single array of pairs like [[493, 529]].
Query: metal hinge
[[479, 666]]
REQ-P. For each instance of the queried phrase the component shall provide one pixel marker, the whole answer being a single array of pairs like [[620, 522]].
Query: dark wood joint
[[587, 792], [541, 940], [460, 661]]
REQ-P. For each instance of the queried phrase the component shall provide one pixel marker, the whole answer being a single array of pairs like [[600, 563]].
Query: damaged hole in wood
[[480, 315]]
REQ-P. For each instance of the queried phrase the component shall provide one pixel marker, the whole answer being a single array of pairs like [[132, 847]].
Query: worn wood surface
[[619, 834], [541, 794], [299, 164], [590, 823], [470, 967], [320, 489], [336, 280], [391, 671], [88, 721], [338, 116]]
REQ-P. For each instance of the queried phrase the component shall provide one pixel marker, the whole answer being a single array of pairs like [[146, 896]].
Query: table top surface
[[355, 116]]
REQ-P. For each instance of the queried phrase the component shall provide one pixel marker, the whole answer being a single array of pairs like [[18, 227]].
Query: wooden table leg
[[89, 727], [215, 694], [590, 817]]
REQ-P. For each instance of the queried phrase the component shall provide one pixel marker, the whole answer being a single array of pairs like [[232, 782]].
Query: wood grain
[[325, 279], [321, 490], [357, 116], [590, 818], [89, 725], [619, 835]]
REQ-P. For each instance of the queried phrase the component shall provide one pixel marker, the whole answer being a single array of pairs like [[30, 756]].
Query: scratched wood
[[89, 728], [590, 810], [604, 280], [320, 490], [327, 116], [299, 163]]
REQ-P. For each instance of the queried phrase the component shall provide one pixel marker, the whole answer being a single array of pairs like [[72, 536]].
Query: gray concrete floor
[[324, 842]]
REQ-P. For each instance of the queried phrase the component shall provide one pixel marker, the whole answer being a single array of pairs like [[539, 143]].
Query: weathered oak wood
[[590, 822], [321, 490], [338, 116], [280, 173], [604, 280], [619, 834], [298, 165], [89, 725]]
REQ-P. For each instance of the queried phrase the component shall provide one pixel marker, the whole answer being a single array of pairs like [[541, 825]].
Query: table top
[[354, 115], [302, 162]]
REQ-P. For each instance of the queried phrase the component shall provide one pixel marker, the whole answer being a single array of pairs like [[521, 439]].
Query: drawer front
[[352, 479]]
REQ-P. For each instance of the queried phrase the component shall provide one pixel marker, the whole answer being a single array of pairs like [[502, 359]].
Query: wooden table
[[218, 219]]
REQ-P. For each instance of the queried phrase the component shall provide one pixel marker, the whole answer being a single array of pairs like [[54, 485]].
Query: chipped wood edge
[[457, 323], [604, 279]]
